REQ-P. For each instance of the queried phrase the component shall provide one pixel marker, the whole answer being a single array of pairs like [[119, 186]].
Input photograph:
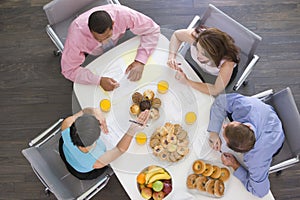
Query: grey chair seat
[[47, 164]]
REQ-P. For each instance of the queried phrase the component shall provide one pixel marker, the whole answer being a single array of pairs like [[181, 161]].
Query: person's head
[[101, 25], [214, 44], [239, 137], [85, 131]]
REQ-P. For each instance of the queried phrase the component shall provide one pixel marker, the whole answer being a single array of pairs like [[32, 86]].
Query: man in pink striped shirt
[[97, 30]]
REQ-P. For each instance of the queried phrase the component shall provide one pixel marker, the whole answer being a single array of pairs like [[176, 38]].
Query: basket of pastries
[[170, 142]]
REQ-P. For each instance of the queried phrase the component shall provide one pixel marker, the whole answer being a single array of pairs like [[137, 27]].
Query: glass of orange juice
[[190, 118], [162, 87], [141, 138], [105, 105]]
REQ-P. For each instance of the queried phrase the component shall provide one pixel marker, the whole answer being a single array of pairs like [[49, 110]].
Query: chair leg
[[56, 53], [47, 192], [278, 173], [245, 82]]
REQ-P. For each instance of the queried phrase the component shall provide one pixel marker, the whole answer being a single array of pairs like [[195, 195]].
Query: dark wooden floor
[[34, 94]]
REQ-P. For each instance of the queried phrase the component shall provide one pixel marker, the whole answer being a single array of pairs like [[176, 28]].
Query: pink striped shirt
[[80, 40]]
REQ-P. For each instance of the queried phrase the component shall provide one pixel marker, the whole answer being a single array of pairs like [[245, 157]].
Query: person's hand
[[229, 160], [215, 141], [99, 116], [143, 119], [135, 71], [181, 76], [172, 63], [108, 84]]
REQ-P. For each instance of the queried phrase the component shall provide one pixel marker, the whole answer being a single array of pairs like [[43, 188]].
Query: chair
[[61, 13], [245, 39], [284, 104], [43, 155]]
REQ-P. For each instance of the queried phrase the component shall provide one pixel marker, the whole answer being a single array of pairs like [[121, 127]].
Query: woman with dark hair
[[213, 50], [81, 148]]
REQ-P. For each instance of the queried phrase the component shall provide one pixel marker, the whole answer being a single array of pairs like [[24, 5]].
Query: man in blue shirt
[[255, 132]]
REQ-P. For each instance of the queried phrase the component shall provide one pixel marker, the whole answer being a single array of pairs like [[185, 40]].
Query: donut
[[137, 97], [156, 103], [135, 109], [191, 181], [199, 167], [170, 127], [172, 157], [183, 150], [177, 129], [154, 142], [154, 113], [183, 143], [145, 105], [224, 174], [157, 150], [219, 188], [171, 147], [208, 170], [163, 155], [209, 186], [164, 142], [181, 135], [216, 172], [171, 138], [148, 95], [200, 183]]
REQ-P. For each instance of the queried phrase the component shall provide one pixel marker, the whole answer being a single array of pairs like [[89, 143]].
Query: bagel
[[216, 172], [219, 188], [199, 167], [224, 174], [208, 170], [200, 183], [191, 181], [209, 186]]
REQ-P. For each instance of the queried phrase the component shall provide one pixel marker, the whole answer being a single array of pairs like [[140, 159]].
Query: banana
[[153, 171], [160, 176]]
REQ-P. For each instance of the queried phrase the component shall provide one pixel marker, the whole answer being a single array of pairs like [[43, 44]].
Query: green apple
[[157, 186]]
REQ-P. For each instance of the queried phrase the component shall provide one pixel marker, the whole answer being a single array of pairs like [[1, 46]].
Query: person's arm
[[217, 115], [72, 58], [178, 37], [123, 144], [255, 178]]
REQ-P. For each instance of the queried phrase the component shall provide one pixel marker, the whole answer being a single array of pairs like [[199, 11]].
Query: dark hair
[[85, 131], [240, 137], [100, 21], [218, 45]]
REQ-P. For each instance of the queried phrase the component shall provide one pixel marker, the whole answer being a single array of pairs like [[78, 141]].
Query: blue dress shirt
[[268, 133]]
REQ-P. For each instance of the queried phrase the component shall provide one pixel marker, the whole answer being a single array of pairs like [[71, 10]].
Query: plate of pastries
[[208, 178], [169, 143], [145, 100]]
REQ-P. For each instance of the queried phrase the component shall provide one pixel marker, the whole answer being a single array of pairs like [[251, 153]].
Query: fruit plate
[[208, 178], [154, 182], [169, 143]]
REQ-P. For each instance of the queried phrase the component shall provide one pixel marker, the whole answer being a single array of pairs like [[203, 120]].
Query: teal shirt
[[81, 162]]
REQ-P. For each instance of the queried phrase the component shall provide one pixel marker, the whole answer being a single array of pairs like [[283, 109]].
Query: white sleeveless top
[[206, 67]]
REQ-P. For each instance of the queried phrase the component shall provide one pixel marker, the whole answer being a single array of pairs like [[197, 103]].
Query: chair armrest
[[54, 37], [43, 134], [263, 94], [284, 165], [185, 46], [95, 189], [246, 72]]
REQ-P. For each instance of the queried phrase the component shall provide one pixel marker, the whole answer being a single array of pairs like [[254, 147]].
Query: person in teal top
[[81, 148]]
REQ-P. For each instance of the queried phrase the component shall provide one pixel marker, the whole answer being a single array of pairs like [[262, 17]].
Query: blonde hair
[[218, 45]]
